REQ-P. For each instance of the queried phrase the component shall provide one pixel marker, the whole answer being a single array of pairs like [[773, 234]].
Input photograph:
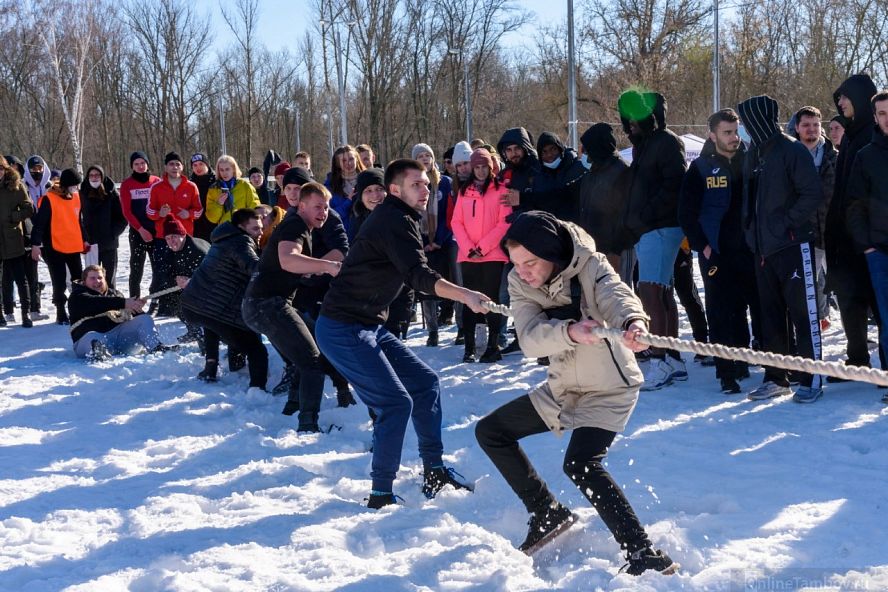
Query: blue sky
[[283, 22]]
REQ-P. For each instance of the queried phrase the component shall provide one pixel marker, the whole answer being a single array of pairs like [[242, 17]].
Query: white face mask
[[554, 164], [95, 184]]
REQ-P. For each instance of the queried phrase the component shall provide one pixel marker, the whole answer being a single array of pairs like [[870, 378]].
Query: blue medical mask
[[585, 160], [744, 135], [554, 164]]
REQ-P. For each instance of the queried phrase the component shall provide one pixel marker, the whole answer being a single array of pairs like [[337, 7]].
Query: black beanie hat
[[296, 176], [368, 178], [254, 170], [542, 234], [170, 157], [599, 142], [69, 178], [138, 154]]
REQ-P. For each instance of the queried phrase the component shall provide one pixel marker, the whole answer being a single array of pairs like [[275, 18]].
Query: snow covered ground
[[132, 475]]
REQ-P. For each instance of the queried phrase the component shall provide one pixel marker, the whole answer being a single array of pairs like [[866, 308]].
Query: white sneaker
[[656, 374], [678, 369]]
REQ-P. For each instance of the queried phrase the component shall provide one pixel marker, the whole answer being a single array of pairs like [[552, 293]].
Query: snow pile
[[132, 475]]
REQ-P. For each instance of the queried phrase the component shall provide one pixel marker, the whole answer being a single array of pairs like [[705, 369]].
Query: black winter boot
[[208, 374], [434, 480], [546, 524], [645, 559]]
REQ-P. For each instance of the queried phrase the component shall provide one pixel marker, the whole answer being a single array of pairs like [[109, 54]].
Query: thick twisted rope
[[122, 315], [741, 354]]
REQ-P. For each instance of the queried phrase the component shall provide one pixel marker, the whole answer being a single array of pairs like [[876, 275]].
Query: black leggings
[[498, 434], [14, 270], [485, 278], [139, 249], [244, 340]]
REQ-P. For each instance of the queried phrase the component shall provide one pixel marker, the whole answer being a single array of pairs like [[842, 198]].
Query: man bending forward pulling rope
[[560, 290]]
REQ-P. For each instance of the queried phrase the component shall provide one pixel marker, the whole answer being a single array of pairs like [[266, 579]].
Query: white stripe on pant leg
[[811, 300]]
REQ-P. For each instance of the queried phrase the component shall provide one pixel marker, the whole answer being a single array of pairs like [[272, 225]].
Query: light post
[[222, 126], [459, 52], [716, 82], [340, 76], [571, 78]]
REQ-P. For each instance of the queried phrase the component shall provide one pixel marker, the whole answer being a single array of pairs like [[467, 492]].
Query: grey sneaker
[[807, 394], [768, 390], [657, 374]]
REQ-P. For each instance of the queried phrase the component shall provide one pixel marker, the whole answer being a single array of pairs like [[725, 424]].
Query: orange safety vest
[[64, 226]]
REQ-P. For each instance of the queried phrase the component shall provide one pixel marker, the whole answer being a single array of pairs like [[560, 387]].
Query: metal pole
[[468, 99], [298, 140], [343, 122], [716, 83], [222, 126], [571, 78]]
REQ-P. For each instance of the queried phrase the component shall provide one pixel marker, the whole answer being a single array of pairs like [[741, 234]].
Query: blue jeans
[[877, 261], [392, 381], [657, 251], [126, 338]]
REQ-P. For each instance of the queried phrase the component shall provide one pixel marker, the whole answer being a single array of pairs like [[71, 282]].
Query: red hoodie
[[186, 196]]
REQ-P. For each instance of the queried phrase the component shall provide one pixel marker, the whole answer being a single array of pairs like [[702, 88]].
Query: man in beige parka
[[561, 289]]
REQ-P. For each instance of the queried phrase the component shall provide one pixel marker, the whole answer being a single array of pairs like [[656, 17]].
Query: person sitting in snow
[[561, 289], [104, 323]]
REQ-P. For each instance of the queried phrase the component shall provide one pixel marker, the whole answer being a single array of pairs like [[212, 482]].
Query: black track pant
[[139, 249], [849, 277], [498, 434], [57, 263], [683, 274], [788, 293], [729, 292], [13, 270], [244, 340], [108, 260]]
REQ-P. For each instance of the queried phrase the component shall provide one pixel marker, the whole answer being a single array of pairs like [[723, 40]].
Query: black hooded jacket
[[603, 204], [217, 287], [555, 190], [103, 220], [522, 176], [657, 169], [868, 196], [858, 133], [781, 186]]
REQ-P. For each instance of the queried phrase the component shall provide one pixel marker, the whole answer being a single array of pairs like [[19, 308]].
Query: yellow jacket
[[243, 195]]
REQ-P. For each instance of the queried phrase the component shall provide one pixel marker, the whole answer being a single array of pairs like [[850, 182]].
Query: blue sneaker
[[807, 394]]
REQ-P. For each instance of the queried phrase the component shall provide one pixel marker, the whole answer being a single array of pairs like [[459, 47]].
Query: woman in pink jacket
[[479, 224]]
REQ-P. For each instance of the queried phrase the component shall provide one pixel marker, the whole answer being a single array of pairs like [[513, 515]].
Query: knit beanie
[[542, 234], [170, 157], [199, 157], [481, 156], [173, 226], [599, 142], [295, 176], [254, 170], [462, 152], [281, 168], [54, 173], [69, 178], [419, 149], [759, 115], [368, 178], [138, 154]]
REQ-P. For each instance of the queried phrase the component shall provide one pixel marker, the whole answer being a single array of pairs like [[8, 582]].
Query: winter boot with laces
[[545, 525], [380, 499], [435, 479], [644, 559]]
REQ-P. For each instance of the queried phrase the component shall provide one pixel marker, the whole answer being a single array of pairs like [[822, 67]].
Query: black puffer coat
[[103, 220], [217, 287], [657, 170]]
